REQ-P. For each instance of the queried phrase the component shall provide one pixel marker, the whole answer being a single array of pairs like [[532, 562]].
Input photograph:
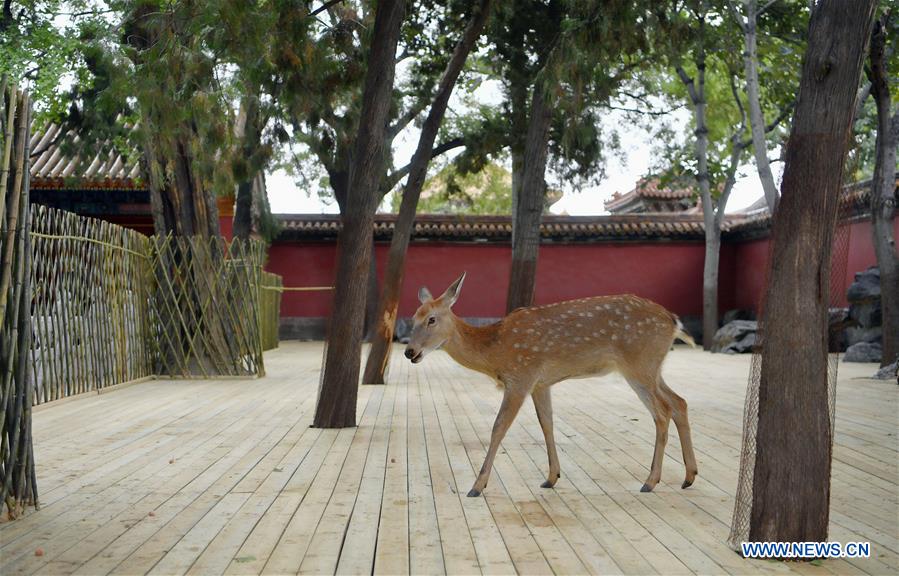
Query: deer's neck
[[474, 346]]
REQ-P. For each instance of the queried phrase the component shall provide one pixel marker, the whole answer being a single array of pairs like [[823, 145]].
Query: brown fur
[[533, 348]]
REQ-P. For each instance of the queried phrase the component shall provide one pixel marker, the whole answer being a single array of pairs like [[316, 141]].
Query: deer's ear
[[424, 295], [452, 293]]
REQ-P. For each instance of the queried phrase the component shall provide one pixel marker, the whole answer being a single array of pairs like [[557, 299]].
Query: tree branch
[[323, 7], [860, 100], [767, 5], [391, 180], [738, 18], [644, 112], [406, 118], [774, 123], [688, 82]]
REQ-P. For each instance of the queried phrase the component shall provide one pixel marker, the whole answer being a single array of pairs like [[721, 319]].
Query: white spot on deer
[[530, 330], [602, 331], [614, 337], [516, 345]]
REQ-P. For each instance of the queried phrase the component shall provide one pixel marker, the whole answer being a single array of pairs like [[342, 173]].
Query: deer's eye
[[432, 321]]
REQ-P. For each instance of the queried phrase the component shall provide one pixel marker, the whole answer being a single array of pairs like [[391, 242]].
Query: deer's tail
[[681, 334]]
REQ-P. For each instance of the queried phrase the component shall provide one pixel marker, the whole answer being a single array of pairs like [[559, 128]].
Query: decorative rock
[[735, 337], [856, 334], [867, 314], [866, 285], [889, 372], [737, 314], [403, 330], [838, 321], [693, 327], [863, 352]]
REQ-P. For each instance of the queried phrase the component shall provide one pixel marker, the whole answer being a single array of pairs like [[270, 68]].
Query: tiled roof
[[51, 168], [649, 189], [450, 228]]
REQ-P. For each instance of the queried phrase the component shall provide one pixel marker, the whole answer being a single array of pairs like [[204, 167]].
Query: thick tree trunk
[[791, 482], [336, 406], [340, 184], [756, 117], [248, 131], [371, 296], [529, 205], [180, 203], [243, 210], [883, 195], [385, 317]]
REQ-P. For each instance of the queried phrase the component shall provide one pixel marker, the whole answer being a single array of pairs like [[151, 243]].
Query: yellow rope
[[92, 240], [128, 250], [297, 288]]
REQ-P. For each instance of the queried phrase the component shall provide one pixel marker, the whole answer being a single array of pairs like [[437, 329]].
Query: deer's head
[[433, 322]]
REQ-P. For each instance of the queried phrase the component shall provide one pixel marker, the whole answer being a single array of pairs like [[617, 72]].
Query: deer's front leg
[[544, 406], [512, 401]]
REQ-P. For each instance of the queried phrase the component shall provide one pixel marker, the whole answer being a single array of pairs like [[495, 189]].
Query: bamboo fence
[[90, 314], [270, 288], [18, 483], [110, 306], [205, 306]]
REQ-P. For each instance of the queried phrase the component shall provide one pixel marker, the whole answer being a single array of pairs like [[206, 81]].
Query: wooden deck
[[211, 477]]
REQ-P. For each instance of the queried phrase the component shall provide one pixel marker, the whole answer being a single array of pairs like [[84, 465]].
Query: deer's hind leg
[[543, 404], [648, 391], [679, 414]]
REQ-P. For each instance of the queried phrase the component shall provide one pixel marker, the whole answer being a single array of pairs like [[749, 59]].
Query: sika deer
[[533, 348]]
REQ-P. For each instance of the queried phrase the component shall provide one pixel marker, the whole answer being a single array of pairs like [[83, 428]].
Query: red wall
[[749, 276], [668, 273]]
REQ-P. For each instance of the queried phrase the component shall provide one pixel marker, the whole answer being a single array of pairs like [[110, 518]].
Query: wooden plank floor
[[227, 477]]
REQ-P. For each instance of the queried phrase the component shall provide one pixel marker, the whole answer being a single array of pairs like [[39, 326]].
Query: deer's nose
[[409, 353]]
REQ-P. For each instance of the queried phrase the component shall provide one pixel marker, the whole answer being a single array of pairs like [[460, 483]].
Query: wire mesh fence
[[740, 523]]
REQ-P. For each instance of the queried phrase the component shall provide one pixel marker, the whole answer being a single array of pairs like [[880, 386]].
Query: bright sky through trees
[[621, 174]]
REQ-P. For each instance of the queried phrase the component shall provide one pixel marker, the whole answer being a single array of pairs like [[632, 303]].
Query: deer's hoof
[[547, 484], [646, 488], [686, 484], [474, 493]]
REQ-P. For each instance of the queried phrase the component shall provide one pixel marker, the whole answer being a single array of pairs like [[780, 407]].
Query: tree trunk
[[696, 91], [336, 406], [791, 482], [710, 283], [756, 117], [180, 203], [529, 205], [243, 213], [385, 318], [371, 295], [249, 132], [883, 195]]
